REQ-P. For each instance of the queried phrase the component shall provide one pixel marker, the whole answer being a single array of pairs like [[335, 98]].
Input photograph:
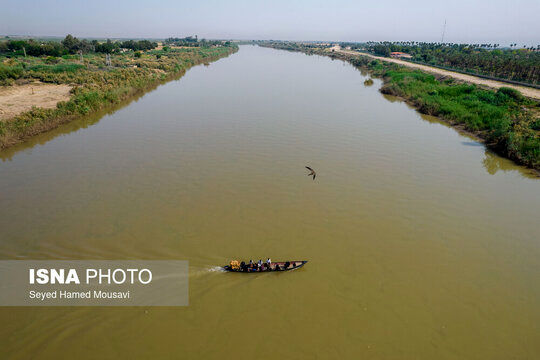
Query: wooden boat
[[275, 266]]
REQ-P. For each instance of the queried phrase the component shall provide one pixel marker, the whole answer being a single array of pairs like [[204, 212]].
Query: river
[[421, 243]]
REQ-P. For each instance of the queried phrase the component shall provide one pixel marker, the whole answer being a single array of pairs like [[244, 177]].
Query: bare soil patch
[[20, 98]]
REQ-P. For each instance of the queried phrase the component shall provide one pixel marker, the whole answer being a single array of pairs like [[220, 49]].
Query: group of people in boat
[[259, 266]]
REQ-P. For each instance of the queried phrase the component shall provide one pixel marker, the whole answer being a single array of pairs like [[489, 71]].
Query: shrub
[[513, 93], [10, 72], [51, 60]]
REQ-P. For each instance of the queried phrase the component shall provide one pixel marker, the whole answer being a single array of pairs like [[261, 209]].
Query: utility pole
[[443, 31]]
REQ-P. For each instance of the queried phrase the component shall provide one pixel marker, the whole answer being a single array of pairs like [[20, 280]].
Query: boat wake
[[216, 269], [204, 271]]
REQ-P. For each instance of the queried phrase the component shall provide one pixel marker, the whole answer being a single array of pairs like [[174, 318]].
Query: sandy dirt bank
[[20, 98]]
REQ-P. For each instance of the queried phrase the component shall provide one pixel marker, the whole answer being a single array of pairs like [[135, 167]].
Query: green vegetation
[[485, 59], [97, 83], [503, 118], [509, 122], [193, 41], [70, 45], [513, 63]]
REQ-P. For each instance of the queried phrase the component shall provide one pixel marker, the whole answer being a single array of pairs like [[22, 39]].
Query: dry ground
[[20, 98]]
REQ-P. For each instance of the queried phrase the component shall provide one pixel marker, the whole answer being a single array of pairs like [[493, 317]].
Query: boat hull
[[275, 266]]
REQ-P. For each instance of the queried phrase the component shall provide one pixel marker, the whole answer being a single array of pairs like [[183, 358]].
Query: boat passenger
[[251, 263], [268, 262], [287, 264], [277, 267]]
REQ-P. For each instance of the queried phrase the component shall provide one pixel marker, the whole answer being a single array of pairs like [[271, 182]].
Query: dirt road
[[526, 91]]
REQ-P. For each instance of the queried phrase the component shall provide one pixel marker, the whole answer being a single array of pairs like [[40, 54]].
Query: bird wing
[[310, 169], [314, 174]]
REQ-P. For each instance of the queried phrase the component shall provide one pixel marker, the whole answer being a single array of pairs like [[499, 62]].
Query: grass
[[57, 68], [504, 118], [507, 121], [95, 85]]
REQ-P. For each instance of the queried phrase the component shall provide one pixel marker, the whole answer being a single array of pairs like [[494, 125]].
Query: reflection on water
[[63, 129], [80, 123], [503, 163], [394, 99], [493, 163], [472, 143]]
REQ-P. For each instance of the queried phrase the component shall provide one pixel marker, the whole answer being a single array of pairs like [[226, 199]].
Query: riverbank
[[530, 92], [507, 122], [94, 85]]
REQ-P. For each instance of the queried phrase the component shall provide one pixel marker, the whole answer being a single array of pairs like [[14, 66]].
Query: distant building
[[401, 55]]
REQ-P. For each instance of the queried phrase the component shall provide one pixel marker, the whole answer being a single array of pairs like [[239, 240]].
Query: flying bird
[[312, 172]]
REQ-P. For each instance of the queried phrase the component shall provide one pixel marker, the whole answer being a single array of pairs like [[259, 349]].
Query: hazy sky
[[501, 21]]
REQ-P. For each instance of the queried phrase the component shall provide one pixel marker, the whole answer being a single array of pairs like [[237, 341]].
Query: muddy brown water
[[421, 243]]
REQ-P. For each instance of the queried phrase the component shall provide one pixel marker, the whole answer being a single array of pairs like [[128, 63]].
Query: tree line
[[519, 64], [70, 45], [193, 41]]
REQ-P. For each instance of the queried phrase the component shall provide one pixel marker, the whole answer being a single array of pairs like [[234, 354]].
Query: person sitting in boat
[[243, 266], [235, 265], [277, 267], [287, 264], [250, 264], [268, 263]]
